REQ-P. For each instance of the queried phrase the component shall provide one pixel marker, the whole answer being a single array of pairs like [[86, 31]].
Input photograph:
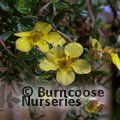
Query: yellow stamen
[[65, 61], [36, 36]]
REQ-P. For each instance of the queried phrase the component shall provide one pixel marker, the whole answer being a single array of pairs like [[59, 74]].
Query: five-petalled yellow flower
[[40, 36], [66, 61]]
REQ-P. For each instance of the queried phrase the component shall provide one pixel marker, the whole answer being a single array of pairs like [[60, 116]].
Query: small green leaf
[[63, 6], [45, 76], [4, 5], [70, 116], [23, 64], [6, 35], [84, 13], [53, 1], [21, 7]]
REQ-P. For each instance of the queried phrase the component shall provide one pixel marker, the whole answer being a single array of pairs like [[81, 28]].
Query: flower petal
[[43, 27], [96, 44], [23, 45], [47, 65], [81, 66], [42, 45], [116, 59], [23, 34], [65, 76], [55, 39], [55, 53], [74, 50]]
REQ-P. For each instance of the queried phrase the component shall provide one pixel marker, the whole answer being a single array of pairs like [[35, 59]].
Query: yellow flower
[[66, 61], [39, 36], [94, 106], [110, 52]]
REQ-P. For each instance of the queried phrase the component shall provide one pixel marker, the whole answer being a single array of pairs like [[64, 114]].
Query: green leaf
[[21, 7], [4, 5], [70, 116], [8, 79], [6, 35], [53, 1], [23, 64], [63, 6], [44, 82], [99, 73], [25, 56], [84, 13], [45, 76], [96, 2], [96, 27]]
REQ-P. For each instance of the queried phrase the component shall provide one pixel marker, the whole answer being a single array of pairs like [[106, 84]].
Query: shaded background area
[[116, 96]]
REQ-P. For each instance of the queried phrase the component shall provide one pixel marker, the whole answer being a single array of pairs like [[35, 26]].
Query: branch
[[3, 44], [44, 7], [65, 36], [87, 3], [98, 67]]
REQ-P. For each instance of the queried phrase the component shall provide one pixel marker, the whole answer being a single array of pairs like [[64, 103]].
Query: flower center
[[65, 61], [36, 36], [108, 50]]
